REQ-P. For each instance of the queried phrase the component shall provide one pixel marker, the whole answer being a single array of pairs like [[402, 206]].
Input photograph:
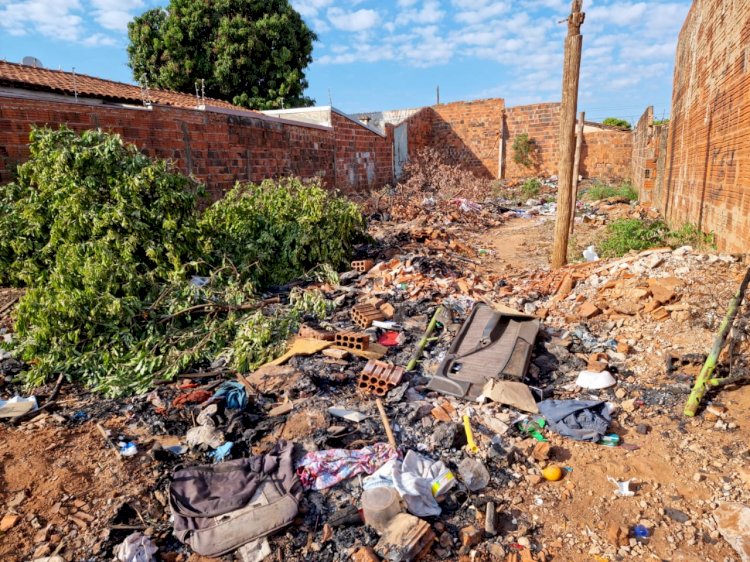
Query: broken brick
[[588, 310], [388, 310], [470, 536], [365, 554], [8, 522]]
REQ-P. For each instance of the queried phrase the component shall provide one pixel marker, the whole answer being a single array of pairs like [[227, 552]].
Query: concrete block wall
[[218, 148], [707, 175]]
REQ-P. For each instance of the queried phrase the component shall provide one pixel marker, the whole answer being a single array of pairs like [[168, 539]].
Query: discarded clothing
[[195, 397], [218, 508], [204, 435], [234, 395], [582, 420], [413, 479], [323, 469], [136, 548]]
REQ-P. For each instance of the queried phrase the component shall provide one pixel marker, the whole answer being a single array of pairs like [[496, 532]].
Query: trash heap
[[418, 407]]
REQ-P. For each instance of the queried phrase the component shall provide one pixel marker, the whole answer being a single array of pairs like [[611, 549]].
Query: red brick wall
[[363, 158], [419, 131], [708, 161], [218, 149], [469, 133], [646, 173], [542, 123], [606, 155]]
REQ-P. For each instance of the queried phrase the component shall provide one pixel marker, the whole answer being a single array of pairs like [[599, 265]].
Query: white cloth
[[413, 479]]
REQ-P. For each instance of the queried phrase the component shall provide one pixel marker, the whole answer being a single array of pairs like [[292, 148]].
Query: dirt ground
[[77, 497]]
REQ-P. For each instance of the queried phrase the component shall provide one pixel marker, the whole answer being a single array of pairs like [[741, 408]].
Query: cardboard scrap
[[515, 394]]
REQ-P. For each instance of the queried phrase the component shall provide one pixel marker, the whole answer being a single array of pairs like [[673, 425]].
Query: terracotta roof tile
[[58, 81]]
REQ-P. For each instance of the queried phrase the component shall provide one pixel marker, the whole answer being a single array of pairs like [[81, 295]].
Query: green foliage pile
[[600, 191], [617, 122], [524, 150], [624, 235], [531, 188], [110, 246], [691, 235], [274, 232], [252, 53]]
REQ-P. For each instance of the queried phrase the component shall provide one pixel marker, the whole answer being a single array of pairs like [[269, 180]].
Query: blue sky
[[392, 54]]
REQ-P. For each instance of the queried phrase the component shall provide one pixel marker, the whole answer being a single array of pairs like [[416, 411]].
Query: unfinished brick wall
[[364, 159], [542, 123], [469, 133], [708, 163], [648, 157], [218, 149], [606, 155]]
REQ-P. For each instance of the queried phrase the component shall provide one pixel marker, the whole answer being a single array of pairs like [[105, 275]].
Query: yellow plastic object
[[471, 446], [552, 473]]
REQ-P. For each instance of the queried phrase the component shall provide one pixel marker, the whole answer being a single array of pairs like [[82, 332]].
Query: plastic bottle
[[641, 532], [474, 474]]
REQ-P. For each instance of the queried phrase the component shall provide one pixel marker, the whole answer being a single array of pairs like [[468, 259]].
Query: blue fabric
[[234, 395], [582, 420], [221, 453]]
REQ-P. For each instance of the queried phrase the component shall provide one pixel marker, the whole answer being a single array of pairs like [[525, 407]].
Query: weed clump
[[531, 188], [624, 235], [127, 284], [600, 191]]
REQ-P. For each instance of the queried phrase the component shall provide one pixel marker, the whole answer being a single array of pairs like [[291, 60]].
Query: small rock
[[698, 477], [617, 535], [446, 541], [470, 536], [628, 405], [733, 520], [8, 522], [642, 428]]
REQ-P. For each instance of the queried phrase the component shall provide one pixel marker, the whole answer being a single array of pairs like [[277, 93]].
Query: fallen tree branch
[[208, 307], [9, 304], [705, 377]]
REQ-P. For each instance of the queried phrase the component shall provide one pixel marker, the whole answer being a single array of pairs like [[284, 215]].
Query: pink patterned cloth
[[323, 469]]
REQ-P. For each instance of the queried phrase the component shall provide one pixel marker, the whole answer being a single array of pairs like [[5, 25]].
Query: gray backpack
[[218, 508]]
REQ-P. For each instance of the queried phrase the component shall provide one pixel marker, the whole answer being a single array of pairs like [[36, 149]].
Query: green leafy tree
[[252, 53], [616, 122]]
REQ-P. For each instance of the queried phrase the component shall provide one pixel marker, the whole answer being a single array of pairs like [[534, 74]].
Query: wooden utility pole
[[576, 166], [571, 72]]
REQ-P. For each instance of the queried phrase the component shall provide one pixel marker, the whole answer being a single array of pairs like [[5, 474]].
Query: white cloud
[[115, 14], [310, 8], [56, 19], [359, 20], [480, 11], [73, 21], [429, 13]]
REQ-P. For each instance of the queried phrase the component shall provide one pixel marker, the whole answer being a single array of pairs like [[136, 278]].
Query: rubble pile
[[341, 448]]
